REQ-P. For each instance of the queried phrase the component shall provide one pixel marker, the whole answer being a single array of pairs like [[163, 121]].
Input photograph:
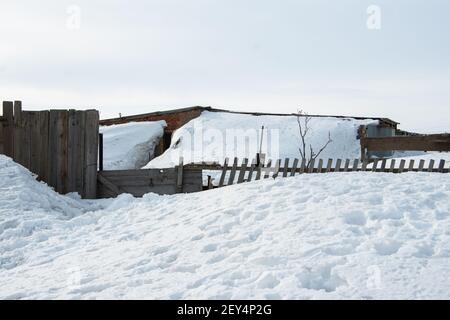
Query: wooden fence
[[243, 171], [139, 182], [59, 146], [430, 142]]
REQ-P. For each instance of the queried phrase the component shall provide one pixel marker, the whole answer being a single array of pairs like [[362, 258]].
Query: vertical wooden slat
[[35, 140], [100, 152], [277, 168], [411, 165], [72, 153], [8, 128], [80, 149], [431, 165], [180, 176], [243, 170], [421, 165], [233, 172], [383, 165], [269, 168], [252, 169], [286, 167], [311, 166], [294, 167], [329, 164], [44, 166], [53, 141], [355, 165], [364, 165], [224, 172], [18, 133], [303, 166], [338, 165], [319, 166], [441, 165], [91, 151], [402, 166], [61, 150], [392, 167], [375, 165], [347, 165]]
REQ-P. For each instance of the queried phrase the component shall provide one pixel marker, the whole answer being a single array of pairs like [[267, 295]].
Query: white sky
[[251, 55]]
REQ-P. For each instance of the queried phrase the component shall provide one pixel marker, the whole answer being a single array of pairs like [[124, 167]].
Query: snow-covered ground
[[130, 145], [213, 136], [339, 235]]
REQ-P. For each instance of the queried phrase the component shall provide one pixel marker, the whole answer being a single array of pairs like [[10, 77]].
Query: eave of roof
[[180, 110]]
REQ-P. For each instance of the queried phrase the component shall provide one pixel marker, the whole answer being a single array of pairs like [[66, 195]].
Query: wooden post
[[294, 167], [180, 176], [362, 137], [233, 172], [224, 172], [8, 129], [91, 154]]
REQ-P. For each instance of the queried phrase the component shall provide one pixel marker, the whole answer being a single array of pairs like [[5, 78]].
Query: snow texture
[[130, 145], [332, 236]]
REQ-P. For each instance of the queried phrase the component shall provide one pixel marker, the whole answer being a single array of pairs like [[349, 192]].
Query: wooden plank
[[421, 165], [224, 172], [91, 153], [107, 183], [311, 166], [402, 166], [392, 167], [180, 175], [286, 167], [319, 166], [233, 171], [294, 167], [375, 165], [434, 142], [355, 165], [80, 149], [303, 166], [252, 169], [441, 165], [73, 136], [8, 128], [53, 141], [347, 165], [62, 132], [19, 134], [364, 165], [268, 169], [329, 164], [383, 165], [431, 165], [44, 165], [338, 165], [277, 169], [243, 170], [411, 165], [35, 142]]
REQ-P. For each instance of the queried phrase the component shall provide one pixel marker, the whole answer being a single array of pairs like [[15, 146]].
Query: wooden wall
[[140, 182], [59, 146]]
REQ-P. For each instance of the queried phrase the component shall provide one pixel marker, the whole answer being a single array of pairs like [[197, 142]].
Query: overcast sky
[[251, 55]]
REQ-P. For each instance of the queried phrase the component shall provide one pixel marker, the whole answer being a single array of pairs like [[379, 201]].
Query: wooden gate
[[59, 146]]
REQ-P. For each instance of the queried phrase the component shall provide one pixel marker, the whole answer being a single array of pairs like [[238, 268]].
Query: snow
[[213, 136], [315, 236], [130, 145]]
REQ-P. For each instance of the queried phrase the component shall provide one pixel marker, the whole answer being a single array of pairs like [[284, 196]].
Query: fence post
[[8, 129], [180, 176]]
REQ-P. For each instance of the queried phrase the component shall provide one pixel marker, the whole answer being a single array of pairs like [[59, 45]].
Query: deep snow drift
[[216, 135], [130, 145], [344, 235]]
